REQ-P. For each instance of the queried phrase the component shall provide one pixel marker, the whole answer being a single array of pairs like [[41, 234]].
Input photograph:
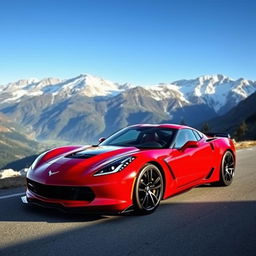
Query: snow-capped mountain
[[217, 91], [86, 107], [243, 113], [86, 85]]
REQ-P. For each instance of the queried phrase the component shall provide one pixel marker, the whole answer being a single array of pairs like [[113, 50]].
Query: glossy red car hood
[[73, 165]]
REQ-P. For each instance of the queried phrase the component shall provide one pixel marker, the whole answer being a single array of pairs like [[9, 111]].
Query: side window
[[198, 136], [184, 136]]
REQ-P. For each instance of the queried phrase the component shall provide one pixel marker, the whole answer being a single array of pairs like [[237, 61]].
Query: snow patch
[[166, 91], [9, 173]]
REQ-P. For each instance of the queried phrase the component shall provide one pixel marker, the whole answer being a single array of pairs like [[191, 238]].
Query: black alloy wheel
[[148, 190], [227, 169]]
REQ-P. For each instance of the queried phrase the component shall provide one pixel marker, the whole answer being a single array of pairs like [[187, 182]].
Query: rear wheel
[[148, 189], [227, 169]]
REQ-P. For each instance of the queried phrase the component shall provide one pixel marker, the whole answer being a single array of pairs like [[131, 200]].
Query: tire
[[227, 169], [148, 190]]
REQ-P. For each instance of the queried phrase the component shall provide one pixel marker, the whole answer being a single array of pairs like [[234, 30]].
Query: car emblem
[[52, 173]]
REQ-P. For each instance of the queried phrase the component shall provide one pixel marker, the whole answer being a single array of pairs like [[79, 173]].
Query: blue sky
[[136, 41]]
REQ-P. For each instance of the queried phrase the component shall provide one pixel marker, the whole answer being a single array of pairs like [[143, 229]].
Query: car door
[[185, 161], [204, 157]]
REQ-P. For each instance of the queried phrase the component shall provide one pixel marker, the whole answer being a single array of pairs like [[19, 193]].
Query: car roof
[[172, 126]]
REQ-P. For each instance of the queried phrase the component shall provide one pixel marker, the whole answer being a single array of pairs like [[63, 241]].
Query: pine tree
[[205, 128], [241, 131], [182, 121]]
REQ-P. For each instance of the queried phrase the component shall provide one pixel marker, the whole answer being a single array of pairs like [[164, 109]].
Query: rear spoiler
[[218, 134]]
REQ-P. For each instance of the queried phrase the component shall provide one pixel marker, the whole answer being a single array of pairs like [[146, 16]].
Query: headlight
[[115, 166]]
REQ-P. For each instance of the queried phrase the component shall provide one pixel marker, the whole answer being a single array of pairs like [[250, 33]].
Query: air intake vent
[[61, 192], [209, 174], [80, 155]]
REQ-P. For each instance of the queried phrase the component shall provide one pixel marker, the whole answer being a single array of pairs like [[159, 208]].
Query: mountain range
[[244, 114], [84, 108]]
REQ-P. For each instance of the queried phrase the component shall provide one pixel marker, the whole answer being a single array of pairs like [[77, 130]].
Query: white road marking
[[13, 195]]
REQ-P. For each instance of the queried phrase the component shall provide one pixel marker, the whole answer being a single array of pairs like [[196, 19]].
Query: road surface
[[204, 221]]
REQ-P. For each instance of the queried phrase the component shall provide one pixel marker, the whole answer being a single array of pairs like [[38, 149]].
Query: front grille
[[61, 192]]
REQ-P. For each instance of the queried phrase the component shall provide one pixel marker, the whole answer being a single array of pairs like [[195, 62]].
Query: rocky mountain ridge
[[85, 107]]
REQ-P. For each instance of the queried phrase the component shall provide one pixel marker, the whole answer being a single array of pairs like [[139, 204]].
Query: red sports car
[[132, 170]]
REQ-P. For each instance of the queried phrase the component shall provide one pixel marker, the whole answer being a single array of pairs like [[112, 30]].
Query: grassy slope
[[245, 144], [14, 144]]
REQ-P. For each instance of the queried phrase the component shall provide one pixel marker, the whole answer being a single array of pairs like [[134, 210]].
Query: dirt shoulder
[[245, 144]]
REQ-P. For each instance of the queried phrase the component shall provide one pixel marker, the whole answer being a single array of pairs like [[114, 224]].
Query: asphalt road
[[204, 221]]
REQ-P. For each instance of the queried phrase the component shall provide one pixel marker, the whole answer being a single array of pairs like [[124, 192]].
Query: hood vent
[[90, 152], [80, 155]]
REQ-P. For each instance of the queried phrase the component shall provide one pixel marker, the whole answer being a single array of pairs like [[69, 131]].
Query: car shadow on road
[[176, 228], [15, 210]]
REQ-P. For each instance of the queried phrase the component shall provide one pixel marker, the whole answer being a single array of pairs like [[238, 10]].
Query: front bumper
[[112, 194], [96, 206]]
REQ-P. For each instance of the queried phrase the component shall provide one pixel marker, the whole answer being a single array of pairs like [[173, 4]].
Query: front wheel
[[148, 189], [227, 169]]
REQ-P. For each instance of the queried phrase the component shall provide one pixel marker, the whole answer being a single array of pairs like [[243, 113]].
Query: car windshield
[[142, 137]]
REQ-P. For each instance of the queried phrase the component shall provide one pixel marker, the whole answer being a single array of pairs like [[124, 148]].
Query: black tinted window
[[128, 136], [184, 136], [142, 137]]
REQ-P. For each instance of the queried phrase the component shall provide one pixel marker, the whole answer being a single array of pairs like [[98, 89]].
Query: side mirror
[[190, 144], [101, 139]]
